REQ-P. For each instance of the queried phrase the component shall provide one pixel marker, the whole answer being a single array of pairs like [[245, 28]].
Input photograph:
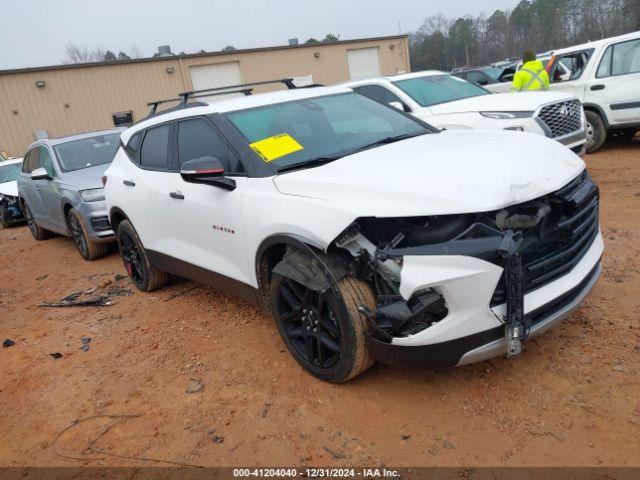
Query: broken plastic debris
[[8, 343]]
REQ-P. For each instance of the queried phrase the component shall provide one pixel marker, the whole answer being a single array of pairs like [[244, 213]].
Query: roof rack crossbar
[[154, 105], [285, 81]]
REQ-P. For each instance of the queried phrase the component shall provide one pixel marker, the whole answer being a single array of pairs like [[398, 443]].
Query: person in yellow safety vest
[[532, 76]]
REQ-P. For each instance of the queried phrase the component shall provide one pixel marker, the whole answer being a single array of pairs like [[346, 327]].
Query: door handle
[[597, 87], [177, 195], [129, 183]]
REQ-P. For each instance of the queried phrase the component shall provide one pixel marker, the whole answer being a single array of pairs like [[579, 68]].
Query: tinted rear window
[[155, 148]]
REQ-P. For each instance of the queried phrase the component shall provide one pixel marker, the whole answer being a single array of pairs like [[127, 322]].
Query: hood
[[501, 102], [86, 178], [437, 174], [9, 188]]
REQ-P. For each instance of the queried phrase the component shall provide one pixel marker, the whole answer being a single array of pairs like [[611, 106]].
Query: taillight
[[104, 180]]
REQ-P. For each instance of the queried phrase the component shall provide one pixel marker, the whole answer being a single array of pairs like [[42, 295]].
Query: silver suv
[[60, 189]]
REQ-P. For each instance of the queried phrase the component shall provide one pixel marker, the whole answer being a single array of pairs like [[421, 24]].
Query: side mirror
[[40, 174], [206, 170]]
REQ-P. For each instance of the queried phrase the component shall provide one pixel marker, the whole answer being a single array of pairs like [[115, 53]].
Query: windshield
[[321, 128], [435, 89], [10, 173], [88, 152]]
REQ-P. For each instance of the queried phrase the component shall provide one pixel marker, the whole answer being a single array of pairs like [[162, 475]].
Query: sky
[[35, 32]]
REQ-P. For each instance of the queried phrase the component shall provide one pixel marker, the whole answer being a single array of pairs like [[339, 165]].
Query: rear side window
[[133, 147], [620, 59], [154, 153], [197, 139]]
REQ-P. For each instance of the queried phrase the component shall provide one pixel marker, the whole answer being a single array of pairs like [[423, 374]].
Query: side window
[[570, 66], [154, 153], [46, 162], [626, 58], [25, 163], [380, 94], [604, 69], [133, 147], [196, 139], [33, 160]]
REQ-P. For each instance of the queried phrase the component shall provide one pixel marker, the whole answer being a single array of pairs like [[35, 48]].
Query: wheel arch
[[270, 252], [116, 216], [597, 109]]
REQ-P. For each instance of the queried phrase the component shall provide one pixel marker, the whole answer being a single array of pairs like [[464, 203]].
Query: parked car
[[450, 102], [61, 191], [10, 211], [366, 232], [605, 76], [496, 80]]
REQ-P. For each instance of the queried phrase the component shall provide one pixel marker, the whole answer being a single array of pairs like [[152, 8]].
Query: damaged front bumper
[[10, 210], [498, 283], [473, 330]]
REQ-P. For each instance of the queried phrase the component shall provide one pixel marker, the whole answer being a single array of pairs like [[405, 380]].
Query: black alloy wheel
[[308, 320], [78, 235], [132, 258], [142, 273]]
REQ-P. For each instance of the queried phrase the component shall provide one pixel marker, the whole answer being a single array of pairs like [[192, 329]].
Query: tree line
[[541, 25]]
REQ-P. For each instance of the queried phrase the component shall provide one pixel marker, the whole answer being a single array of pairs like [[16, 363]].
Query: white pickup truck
[[446, 101]]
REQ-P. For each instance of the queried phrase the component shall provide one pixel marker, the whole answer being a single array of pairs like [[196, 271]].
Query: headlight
[[506, 115], [92, 195]]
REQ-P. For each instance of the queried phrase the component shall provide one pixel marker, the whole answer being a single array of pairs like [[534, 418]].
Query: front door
[[208, 218]]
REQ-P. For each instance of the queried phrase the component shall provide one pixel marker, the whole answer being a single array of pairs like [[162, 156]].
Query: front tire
[[143, 275], [324, 332], [38, 233], [596, 131]]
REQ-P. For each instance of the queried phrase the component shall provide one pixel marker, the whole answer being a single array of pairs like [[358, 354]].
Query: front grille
[[562, 118], [563, 237], [100, 224], [557, 304]]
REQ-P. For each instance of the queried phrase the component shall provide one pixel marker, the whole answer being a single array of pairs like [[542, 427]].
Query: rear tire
[[38, 233], [88, 250], [596, 131], [143, 275], [307, 323]]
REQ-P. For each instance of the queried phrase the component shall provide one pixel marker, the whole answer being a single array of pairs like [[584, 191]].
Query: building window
[[123, 119]]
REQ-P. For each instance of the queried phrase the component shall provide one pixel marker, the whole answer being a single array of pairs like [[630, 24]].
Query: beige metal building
[[67, 99]]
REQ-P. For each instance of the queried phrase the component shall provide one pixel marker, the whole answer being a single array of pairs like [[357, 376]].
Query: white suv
[[446, 101], [368, 234], [605, 76]]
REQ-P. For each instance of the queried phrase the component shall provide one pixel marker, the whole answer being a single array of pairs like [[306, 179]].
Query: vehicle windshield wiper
[[315, 162], [387, 140]]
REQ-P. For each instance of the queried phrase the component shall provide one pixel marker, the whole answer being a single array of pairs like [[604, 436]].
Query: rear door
[[146, 185], [208, 218], [616, 84]]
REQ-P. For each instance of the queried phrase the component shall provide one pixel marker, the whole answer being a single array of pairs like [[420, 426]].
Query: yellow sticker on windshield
[[271, 148]]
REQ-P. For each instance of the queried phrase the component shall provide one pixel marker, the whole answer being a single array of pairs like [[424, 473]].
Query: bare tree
[[78, 54]]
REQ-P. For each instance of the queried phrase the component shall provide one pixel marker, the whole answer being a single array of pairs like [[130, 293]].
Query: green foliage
[[442, 43]]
